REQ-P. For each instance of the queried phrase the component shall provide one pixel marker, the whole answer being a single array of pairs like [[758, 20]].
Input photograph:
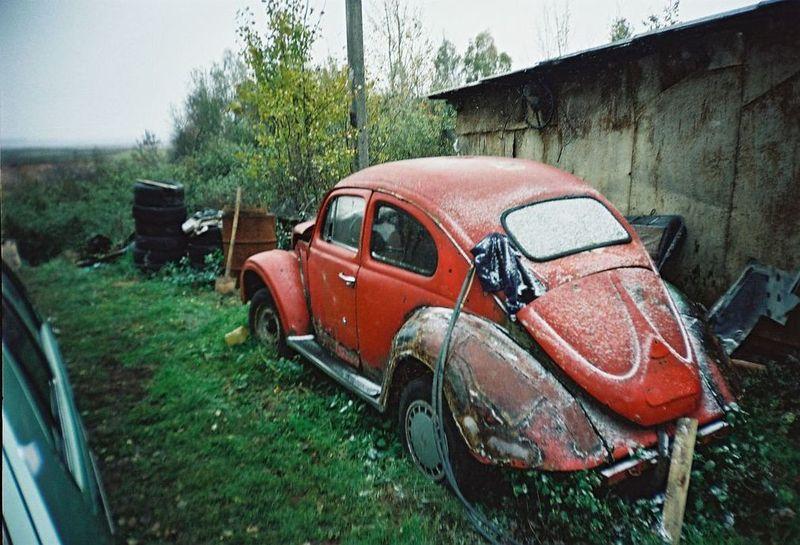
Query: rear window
[[551, 229]]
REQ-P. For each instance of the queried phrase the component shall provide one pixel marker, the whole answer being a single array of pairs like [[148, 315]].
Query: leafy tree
[[402, 123], [554, 28], [668, 17], [206, 113], [299, 112], [147, 151], [446, 66], [621, 29], [401, 50], [482, 58]]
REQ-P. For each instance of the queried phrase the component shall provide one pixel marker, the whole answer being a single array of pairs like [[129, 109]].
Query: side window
[[400, 240], [24, 348], [15, 293], [343, 221]]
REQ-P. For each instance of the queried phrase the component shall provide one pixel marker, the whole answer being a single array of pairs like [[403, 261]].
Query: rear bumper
[[636, 466]]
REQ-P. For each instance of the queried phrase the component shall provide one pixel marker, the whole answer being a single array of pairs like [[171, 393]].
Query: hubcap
[[420, 430], [267, 325]]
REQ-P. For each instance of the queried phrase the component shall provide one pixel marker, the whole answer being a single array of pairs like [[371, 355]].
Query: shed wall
[[708, 128]]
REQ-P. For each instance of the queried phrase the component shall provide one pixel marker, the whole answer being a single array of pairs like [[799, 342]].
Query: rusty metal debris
[[761, 290], [201, 221], [99, 249]]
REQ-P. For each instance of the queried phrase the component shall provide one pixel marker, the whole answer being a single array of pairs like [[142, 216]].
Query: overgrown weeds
[[201, 443]]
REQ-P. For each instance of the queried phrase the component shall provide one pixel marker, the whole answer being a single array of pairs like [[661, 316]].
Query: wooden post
[[355, 60], [680, 470]]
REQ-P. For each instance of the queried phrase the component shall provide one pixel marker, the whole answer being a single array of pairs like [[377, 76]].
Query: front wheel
[[265, 322]]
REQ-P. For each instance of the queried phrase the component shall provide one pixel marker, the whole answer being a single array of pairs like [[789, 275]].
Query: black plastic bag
[[499, 268]]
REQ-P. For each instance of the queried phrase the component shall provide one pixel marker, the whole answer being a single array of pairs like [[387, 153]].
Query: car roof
[[467, 195]]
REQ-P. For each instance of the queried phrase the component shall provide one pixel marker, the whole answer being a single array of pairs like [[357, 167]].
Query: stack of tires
[[159, 211]]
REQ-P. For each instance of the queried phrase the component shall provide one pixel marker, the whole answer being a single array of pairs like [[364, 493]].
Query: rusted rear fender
[[509, 409], [279, 271]]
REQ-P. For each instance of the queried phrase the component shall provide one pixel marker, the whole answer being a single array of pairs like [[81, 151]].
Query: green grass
[[200, 442], [204, 443]]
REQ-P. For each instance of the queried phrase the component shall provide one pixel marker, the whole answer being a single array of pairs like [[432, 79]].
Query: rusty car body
[[591, 373]]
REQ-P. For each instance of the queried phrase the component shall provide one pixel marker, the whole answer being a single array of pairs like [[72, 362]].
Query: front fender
[[279, 271], [509, 409]]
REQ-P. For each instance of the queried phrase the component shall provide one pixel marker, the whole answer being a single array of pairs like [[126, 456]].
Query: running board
[[337, 369]]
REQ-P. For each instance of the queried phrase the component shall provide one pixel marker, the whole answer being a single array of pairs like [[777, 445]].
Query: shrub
[[62, 208]]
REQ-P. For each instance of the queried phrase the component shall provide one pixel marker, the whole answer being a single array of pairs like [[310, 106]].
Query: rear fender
[[509, 409], [279, 271]]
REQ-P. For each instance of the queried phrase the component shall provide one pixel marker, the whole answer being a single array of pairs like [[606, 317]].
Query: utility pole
[[355, 60]]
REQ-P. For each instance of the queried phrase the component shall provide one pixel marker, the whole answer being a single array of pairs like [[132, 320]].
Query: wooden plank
[[680, 471], [752, 366]]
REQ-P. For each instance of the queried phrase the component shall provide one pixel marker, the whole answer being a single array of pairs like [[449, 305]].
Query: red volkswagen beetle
[[591, 360]]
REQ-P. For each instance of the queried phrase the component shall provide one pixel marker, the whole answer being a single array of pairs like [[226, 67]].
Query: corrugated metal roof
[[645, 38]]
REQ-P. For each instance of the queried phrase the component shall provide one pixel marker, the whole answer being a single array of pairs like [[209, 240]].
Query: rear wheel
[[265, 322], [417, 427]]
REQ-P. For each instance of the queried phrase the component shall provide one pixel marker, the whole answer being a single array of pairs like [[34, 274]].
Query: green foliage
[[299, 112], [199, 442], [63, 206], [184, 274], [408, 127], [209, 111], [446, 66], [212, 174], [147, 152], [554, 506], [669, 16], [180, 421], [482, 58], [621, 29]]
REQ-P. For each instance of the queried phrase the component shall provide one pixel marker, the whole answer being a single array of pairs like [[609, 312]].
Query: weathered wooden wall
[[708, 128]]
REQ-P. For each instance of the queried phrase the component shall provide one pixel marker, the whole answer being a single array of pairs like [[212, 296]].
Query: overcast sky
[[89, 72]]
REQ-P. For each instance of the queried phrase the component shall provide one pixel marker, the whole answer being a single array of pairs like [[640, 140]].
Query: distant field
[[20, 164], [44, 155]]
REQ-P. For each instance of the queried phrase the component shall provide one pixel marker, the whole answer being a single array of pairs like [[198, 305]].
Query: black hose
[[482, 524]]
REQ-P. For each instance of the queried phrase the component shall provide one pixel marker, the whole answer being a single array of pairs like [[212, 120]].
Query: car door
[[333, 263], [408, 264]]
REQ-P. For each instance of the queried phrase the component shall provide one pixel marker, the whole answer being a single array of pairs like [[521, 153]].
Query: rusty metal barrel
[[255, 233]]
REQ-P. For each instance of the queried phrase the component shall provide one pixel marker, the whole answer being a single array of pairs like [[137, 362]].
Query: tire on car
[[416, 428], [265, 322]]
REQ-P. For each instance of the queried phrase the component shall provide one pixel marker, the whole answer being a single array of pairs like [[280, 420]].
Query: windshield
[[550, 229]]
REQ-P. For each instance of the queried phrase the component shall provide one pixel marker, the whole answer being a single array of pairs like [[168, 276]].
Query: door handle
[[348, 280]]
